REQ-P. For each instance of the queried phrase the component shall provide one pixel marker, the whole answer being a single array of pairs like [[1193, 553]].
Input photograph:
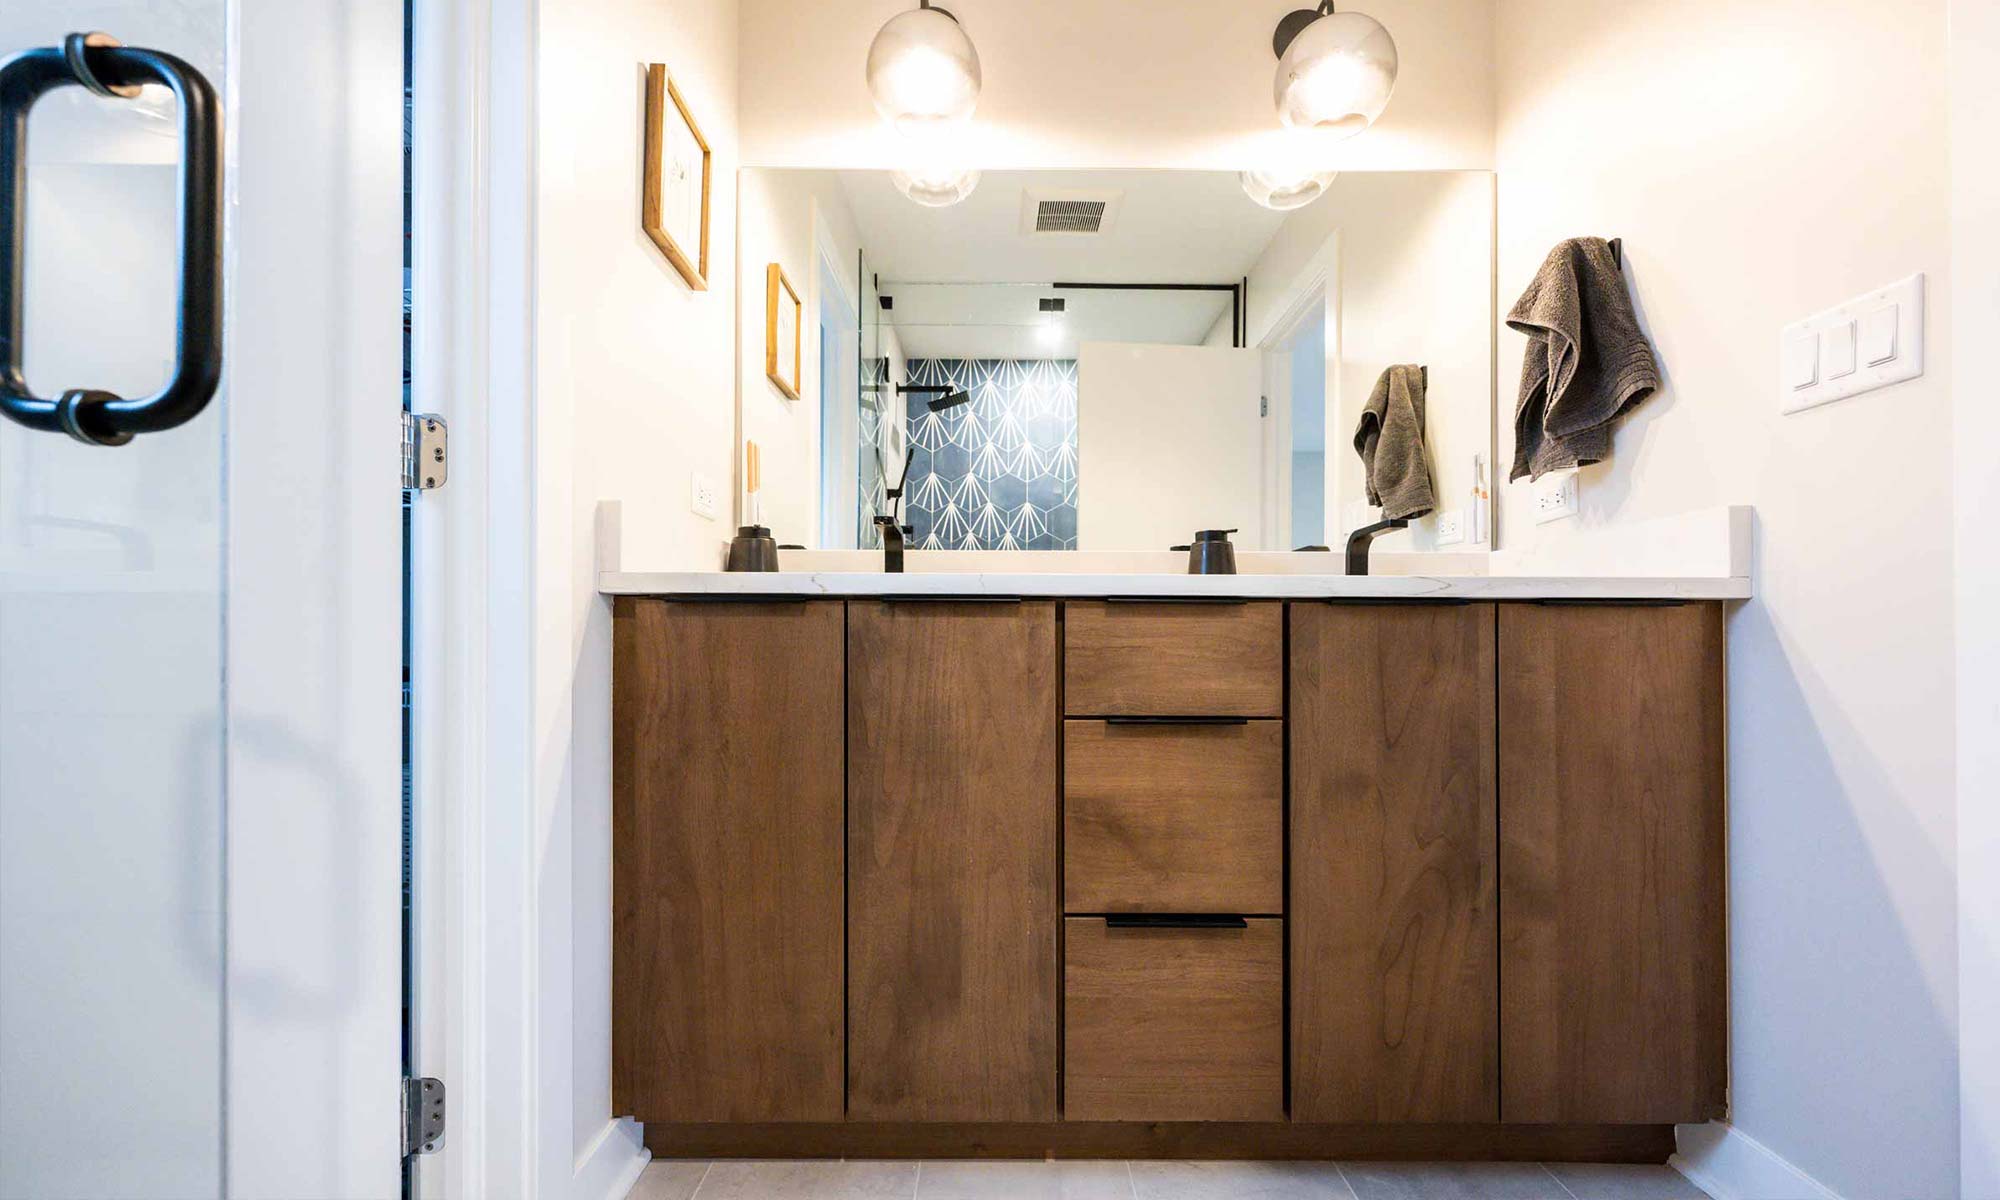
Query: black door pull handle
[[102, 65]]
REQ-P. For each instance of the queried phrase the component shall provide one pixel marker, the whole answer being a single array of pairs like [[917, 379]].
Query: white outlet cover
[[1451, 527], [1837, 327], [1555, 496], [703, 497]]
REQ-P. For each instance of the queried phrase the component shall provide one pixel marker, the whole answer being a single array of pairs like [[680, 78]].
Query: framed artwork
[[674, 206], [783, 315]]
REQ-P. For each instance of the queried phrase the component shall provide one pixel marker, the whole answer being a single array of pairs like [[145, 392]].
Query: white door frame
[[491, 634]]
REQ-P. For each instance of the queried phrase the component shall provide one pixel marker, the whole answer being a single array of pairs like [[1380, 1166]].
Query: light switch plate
[[1856, 331], [1555, 496], [1451, 527]]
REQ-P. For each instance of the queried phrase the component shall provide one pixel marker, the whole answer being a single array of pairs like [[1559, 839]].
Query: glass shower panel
[[111, 663]]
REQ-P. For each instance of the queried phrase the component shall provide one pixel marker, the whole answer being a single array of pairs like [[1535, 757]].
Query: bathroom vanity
[[1265, 874]]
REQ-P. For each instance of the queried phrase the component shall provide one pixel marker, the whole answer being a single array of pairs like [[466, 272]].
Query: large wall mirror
[[1111, 360]]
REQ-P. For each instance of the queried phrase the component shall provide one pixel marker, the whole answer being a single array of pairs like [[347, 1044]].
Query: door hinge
[[426, 453], [423, 1115], [1263, 406]]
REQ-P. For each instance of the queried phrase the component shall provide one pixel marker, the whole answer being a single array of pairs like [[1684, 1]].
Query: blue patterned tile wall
[[998, 473]]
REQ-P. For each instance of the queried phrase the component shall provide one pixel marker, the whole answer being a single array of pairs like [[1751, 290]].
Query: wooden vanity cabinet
[[951, 849], [1613, 999], [726, 991], [1086, 876], [1395, 977]]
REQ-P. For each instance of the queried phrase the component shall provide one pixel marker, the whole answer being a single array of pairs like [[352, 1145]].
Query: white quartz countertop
[[1286, 586], [1704, 555]]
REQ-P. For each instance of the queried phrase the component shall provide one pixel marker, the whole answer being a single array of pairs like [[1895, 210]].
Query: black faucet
[[1359, 541], [892, 528], [892, 544]]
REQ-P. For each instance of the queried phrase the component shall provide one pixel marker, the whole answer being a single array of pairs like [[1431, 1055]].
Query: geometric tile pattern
[[998, 473]]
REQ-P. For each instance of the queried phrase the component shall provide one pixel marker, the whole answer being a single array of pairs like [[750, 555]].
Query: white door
[[1168, 441], [200, 661]]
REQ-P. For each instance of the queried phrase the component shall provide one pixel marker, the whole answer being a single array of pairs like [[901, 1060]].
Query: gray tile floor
[[856, 1180]]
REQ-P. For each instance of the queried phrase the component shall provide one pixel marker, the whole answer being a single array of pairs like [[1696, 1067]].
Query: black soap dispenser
[[1211, 553]]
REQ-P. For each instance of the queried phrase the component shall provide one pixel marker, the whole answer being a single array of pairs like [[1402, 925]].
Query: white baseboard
[[1729, 1164], [608, 1168]]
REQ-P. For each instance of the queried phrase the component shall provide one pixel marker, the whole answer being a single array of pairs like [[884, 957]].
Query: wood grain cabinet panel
[[952, 906], [1613, 1005], [1393, 923], [1123, 659], [1173, 1024], [726, 861], [1174, 818]]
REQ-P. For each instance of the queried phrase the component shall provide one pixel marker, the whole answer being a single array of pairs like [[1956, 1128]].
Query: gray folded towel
[[1586, 363], [1390, 440]]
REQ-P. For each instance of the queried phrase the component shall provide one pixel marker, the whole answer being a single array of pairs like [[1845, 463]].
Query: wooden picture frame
[[668, 203], [784, 322]]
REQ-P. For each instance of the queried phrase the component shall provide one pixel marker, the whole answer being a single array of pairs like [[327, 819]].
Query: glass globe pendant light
[[936, 186], [922, 70], [1286, 188], [1335, 70]]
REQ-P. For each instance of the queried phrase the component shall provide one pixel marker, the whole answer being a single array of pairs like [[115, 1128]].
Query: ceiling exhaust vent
[[1068, 214]]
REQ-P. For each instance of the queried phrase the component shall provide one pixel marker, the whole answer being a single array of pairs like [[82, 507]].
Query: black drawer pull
[[1174, 921], [1177, 720], [1233, 600]]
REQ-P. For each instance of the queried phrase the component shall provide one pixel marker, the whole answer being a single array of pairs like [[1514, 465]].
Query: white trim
[[474, 173], [612, 1163], [1729, 1164]]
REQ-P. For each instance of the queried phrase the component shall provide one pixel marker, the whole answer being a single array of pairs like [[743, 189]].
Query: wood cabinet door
[[1613, 1004], [951, 840], [1394, 957], [726, 861]]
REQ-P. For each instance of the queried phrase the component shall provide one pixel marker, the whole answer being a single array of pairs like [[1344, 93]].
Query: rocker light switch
[[1802, 360], [1840, 350], [1878, 335]]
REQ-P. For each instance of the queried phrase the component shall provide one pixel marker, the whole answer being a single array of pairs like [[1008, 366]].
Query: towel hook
[[1618, 252]]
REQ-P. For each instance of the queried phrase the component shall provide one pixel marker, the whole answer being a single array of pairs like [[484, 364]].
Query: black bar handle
[[1232, 600], [1174, 921], [943, 599], [99, 63], [1176, 720]]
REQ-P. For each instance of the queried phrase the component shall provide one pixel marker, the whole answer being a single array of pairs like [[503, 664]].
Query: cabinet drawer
[[1173, 659], [1173, 1024], [1173, 818]]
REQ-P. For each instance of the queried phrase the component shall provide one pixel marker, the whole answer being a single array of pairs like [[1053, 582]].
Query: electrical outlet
[[1555, 496], [704, 496], [1451, 527]]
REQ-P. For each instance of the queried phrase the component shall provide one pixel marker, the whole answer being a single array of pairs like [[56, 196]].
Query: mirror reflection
[[1115, 360]]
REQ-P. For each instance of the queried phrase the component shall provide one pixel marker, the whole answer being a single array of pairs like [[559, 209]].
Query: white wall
[[1764, 159], [1412, 282], [1975, 233], [1110, 83], [776, 222], [635, 390]]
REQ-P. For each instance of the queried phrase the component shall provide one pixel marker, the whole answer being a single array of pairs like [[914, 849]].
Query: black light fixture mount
[[1294, 23]]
